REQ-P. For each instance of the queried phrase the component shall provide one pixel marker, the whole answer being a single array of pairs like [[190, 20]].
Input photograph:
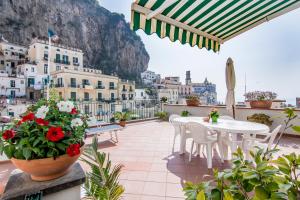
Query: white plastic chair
[[176, 127], [201, 136], [265, 143]]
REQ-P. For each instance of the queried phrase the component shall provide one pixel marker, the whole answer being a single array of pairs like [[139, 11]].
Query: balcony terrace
[[151, 170]]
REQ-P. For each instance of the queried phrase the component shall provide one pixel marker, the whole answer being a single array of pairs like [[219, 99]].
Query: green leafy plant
[[261, 179], [185, 113], [164, 99], [162, 115], [47, 129], [122, 116], [192, 97], [102, 181], [260, 118]]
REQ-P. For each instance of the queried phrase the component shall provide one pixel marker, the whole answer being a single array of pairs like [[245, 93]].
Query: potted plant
[[122, 117], [214, 115], [260, 118], [162, 115], [164, 99], [47, 140], [192, 100], [185, 113], [260, 100]]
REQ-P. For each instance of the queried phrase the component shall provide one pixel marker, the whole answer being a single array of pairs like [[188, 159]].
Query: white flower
[[76, 122], [42, 112], [65, 106]]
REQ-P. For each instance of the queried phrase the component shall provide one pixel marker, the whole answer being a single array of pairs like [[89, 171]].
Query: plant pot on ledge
[[122, 123], [261, 104], [192, 102], [47, 168]]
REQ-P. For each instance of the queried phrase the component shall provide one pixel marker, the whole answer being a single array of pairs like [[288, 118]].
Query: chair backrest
[[226, 117], [198, 131], [172, 117], [175, 125], [273, 135]]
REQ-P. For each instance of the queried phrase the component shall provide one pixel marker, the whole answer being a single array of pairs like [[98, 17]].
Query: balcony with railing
[[59, 85], [112, 87], [100, 87]]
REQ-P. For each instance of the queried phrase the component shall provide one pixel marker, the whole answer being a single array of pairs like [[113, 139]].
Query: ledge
[[217, 106], [20, 184]]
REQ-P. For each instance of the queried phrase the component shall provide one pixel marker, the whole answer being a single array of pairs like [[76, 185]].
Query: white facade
[[149, 77], [12, 86], [171, 94], [32, 77], [140, 94]]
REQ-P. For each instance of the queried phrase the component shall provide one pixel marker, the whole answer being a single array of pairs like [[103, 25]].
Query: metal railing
[[139, 109]]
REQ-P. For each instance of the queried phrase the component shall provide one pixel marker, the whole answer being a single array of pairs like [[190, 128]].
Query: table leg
[[182, 140]]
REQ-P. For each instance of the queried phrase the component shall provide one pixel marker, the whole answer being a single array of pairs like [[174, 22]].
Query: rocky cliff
[[105, 37]]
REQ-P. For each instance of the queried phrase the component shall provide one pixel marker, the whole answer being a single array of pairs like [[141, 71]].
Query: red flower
[[74, 111], [29, 117], [73, 149], [41, 122], [8, 134], [55, 134], [19, 122]]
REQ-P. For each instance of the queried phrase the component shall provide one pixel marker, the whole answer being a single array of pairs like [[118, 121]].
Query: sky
[[268, 56]]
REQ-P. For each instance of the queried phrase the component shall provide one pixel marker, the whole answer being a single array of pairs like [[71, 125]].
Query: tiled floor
[[151, 171]]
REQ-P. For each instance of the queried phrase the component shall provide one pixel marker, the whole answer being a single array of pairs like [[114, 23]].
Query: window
[[111, 85], [99, 96], [99, 84], [65, 59], [45, 55], [142, 94], [86, 96], [124, 89], [85, 82], [46, 47], [57, 49], [73, 96], [112, 96], [32, 69], [86, 109], [75, 60], [12, 83], [58, 67], [57, 58], [60, 82], [73, 82], [30, 82], [12, 94], [46, 69], [2, 62]]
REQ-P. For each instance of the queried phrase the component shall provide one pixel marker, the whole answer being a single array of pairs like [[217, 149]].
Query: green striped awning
[[205, 23]]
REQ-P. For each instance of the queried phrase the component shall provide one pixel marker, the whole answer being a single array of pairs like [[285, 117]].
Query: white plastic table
[[225, 126]]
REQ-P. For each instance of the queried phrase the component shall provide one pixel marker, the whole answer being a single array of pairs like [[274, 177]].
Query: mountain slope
[[105, 37]]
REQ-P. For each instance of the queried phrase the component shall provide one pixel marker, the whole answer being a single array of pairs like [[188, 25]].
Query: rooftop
[[151, 170]]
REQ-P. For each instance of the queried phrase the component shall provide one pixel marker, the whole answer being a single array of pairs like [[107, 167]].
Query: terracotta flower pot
[[192, 102], [122, 123], [47, 168], [261, 104]]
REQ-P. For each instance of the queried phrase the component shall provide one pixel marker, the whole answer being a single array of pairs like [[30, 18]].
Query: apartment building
[[84, 84], [12, 86], [171, 94], [34, 82], [61, 57], [149, 77], [126, 90], [11, 55]]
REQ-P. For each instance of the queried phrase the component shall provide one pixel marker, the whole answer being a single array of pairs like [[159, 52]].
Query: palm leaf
[[102, 181]]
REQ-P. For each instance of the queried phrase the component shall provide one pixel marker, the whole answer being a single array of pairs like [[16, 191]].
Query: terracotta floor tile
[[134, 187], [174, 190], [137, 175], [158, 167], [152, 198], [157, 177], [154, 188]]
